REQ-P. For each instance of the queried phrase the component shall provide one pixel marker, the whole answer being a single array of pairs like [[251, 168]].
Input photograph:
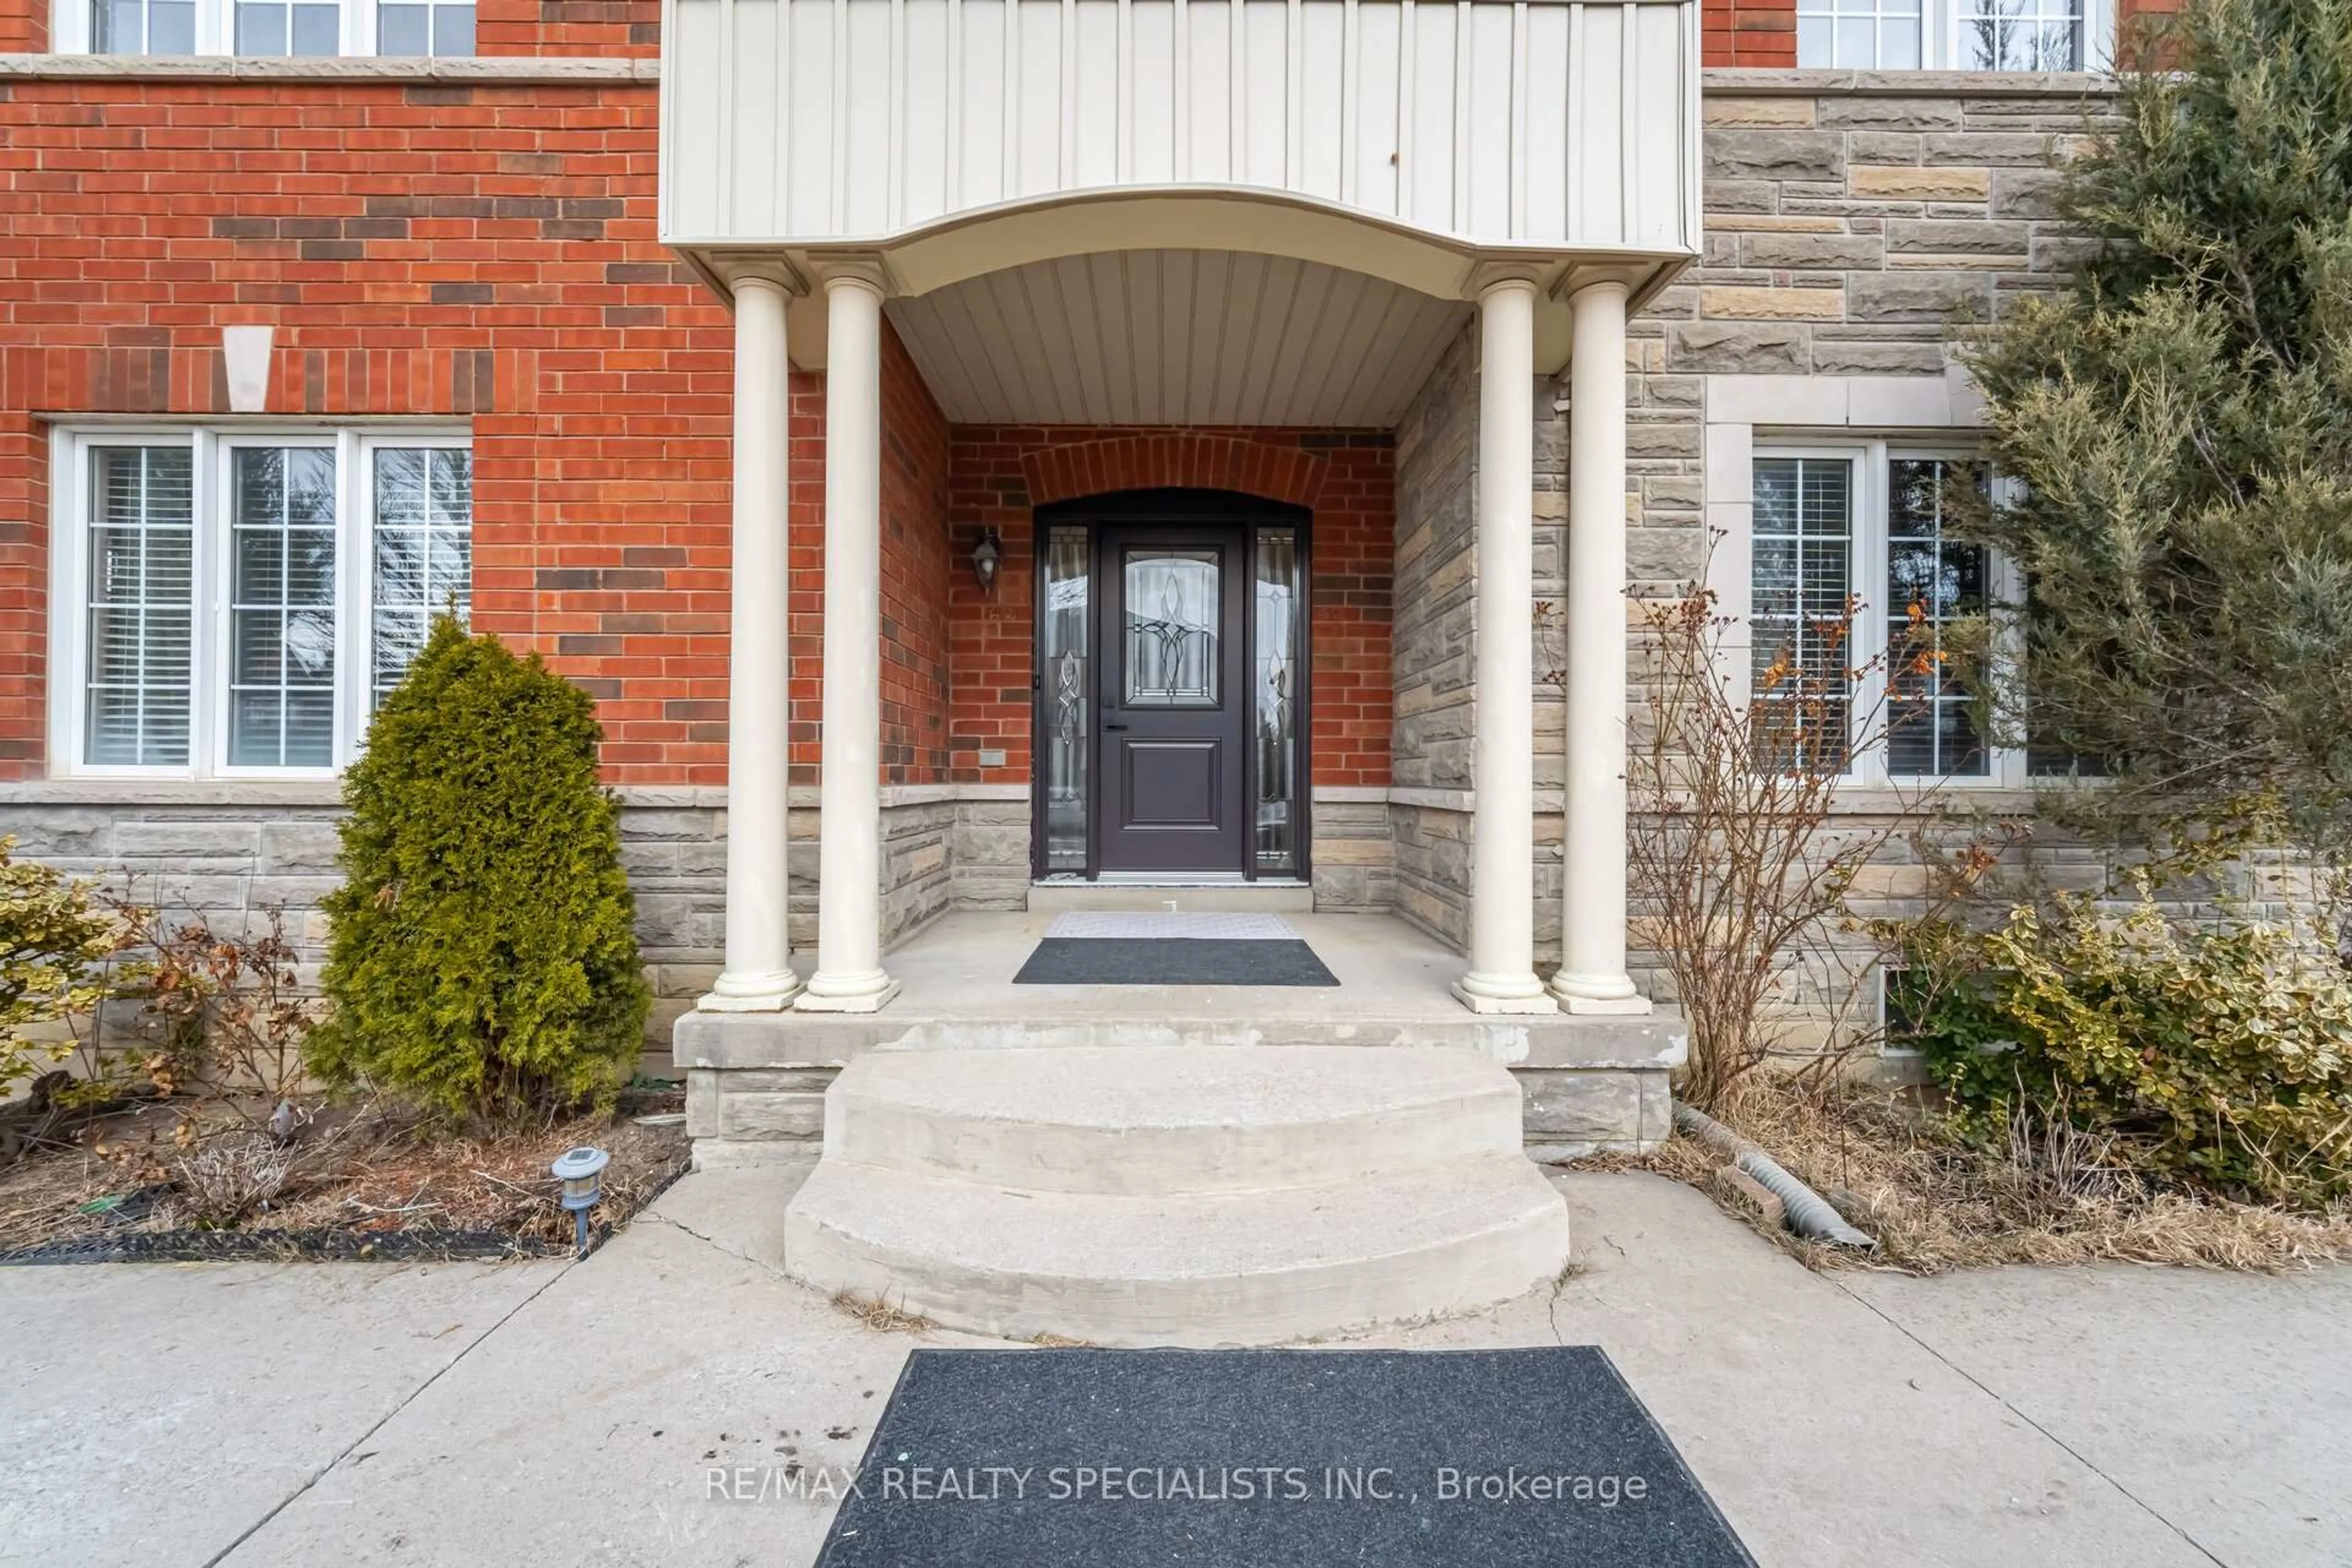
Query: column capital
[[868, 269], [760, 272], [1487, 277], [1625, 277]]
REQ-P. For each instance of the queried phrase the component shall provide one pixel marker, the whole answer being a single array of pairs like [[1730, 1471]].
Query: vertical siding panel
[[1095, 109], [809, 102], [1212, 108], [1322, 82], [1601, 125], [1155, 115], [1378, 142], [1544, 127], [1037, 100], [927, 102], [867, 134], [1267, 118], [1489, 112]]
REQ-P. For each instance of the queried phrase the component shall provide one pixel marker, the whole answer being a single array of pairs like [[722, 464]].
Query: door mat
[[1157, 961], [1225, 1458], [1113, 947]]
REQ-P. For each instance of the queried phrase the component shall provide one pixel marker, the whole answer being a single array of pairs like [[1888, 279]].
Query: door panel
[[1173, 724]]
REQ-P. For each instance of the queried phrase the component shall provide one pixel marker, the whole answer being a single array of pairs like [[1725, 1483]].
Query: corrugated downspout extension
[[1810, 1215]]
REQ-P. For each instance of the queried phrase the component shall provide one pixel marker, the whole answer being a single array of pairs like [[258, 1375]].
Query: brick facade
[[482, 252], [1346, 478], [1759, 33], [630, 27]]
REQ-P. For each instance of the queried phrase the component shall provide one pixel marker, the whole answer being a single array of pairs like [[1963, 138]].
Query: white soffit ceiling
[[1176, 337]]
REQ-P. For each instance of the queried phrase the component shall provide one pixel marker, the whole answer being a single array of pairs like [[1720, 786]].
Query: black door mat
[[1236, 1458], [1194, 960]]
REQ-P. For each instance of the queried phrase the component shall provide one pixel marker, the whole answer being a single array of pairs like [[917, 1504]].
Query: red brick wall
[[917, 566], [24, 27], [485, 253], [1347, 478], [915, 573], [1748, 33], [567, 28]]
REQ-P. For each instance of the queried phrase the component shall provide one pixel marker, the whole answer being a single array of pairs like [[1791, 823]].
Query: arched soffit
[[925, 259]]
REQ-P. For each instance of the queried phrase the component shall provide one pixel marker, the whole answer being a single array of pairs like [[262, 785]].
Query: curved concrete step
[[1171, 1118], [1212, 1269]]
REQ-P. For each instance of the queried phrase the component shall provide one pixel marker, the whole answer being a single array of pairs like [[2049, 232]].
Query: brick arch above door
[[1175, 459], [1001, 473]]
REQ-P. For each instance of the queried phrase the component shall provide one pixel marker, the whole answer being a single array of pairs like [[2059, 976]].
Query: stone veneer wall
[[1432, 659], [232, 856], [1853, 219]]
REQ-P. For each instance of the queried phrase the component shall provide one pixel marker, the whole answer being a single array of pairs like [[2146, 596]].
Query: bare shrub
[[224, 1011], [1740, 868]]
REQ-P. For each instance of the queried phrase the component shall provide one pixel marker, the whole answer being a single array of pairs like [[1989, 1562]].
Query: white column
[[1502, 977], [758, 976], [849, 976], [1593, 977]]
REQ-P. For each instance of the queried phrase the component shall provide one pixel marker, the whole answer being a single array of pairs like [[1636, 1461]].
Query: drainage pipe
[[1809, 1214]]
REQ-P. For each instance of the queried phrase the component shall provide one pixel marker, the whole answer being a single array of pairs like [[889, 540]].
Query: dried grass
[[361, 1170], [2056, 1195], [879, 1315]]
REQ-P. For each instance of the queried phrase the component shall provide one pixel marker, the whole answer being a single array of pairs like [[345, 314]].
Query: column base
[[859, 993], [750, 994], [1595, 997], [1504, 993]]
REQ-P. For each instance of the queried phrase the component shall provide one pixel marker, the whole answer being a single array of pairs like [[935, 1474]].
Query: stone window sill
[[477, 69]]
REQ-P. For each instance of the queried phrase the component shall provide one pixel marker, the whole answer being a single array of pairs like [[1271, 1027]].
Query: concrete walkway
[[552, 1413]]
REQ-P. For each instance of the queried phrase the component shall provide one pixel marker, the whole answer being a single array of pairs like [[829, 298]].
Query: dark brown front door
[[1174, 712]]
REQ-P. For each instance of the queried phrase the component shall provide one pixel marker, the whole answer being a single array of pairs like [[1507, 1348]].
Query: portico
[[1179, 217]]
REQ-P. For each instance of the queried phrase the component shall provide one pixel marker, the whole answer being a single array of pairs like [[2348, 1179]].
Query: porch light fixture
[[984, 557], [580, 1170]]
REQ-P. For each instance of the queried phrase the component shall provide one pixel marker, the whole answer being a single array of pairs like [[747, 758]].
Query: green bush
[[2219, 1053], [53, 944], [483, 958]]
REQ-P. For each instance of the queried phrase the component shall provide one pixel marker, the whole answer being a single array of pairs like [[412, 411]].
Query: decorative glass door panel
[[1172, 700]]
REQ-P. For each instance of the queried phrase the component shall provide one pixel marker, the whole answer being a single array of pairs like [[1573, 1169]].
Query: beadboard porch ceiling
[[1176, 337]]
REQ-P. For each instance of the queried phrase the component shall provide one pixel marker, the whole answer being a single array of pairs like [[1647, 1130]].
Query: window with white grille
[[1854, 584], [241, 599], [1954, 35], [264, 28]]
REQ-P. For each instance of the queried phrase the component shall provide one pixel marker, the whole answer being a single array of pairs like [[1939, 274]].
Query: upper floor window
[[1860, 528], [232, 601], [1951, 34], [266, 27]]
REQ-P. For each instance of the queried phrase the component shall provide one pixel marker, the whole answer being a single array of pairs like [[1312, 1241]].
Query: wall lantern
[[579, 1170], [984, 557]]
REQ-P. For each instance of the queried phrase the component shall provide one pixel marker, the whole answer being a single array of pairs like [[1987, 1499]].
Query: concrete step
[[1169, 1120], [1174, 897], [1233, 1269]]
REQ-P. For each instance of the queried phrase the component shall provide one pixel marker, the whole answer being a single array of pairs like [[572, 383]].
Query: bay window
[[1861, 528], [231, 601]]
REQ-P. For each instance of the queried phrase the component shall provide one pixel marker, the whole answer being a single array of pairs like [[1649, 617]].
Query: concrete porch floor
[[957, 989], [756, 1081]]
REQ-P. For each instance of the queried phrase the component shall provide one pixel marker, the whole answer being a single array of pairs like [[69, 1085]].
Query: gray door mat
[[1139, 960], [1036, 1459]]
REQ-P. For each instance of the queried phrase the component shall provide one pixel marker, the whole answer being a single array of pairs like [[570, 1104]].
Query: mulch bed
[[172, 1180]]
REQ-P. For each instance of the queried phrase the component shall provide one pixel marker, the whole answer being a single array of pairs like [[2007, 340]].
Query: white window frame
[[1939, 36], [1866, 558], [73, 28], [210, 621]]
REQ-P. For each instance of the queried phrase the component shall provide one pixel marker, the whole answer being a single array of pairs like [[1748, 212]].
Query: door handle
[[1109, 725]]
